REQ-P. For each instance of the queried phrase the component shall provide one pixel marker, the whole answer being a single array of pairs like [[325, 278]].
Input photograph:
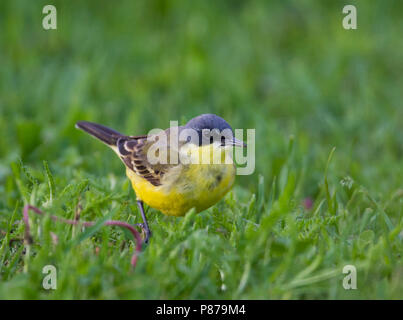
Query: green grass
[[287, 69]]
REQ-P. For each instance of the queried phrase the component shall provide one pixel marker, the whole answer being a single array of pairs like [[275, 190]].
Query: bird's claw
[[146, 230]]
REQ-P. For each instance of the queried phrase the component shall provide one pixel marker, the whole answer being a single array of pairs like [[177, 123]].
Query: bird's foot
[[146, 231]]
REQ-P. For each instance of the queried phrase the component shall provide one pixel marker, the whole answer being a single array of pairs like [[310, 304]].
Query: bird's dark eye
[[223, 141]]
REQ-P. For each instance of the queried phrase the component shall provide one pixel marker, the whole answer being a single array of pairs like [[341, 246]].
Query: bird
[[184, 180]]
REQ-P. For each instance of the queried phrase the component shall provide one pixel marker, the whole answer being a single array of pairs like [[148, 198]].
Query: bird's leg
[[144, 225]]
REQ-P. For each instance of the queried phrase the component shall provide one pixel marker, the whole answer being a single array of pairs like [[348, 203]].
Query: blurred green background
[[284, 68]]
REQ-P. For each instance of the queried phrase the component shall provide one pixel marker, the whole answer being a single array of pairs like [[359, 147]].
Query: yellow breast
[[185, 187]]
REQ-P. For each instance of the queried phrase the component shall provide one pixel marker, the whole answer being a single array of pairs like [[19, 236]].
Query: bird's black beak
[[237, 143]]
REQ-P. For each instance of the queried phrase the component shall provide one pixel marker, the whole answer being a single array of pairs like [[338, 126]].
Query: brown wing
[[133, 152]]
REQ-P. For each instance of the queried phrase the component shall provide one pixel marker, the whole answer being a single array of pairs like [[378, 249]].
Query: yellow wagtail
[[180, 181]]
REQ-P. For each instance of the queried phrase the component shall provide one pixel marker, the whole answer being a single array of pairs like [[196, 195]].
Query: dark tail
[[105, 134]]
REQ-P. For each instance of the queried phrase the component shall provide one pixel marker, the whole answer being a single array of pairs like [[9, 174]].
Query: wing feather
[[133, 152]]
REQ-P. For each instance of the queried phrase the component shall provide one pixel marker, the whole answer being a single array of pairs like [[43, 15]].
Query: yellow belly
[[196, 186]]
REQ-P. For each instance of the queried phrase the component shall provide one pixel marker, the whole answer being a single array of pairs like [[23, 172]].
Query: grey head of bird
[[211, 128]]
